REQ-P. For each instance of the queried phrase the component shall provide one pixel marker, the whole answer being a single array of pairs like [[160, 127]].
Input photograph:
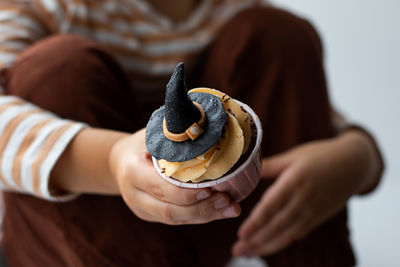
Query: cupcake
[[204, 138]]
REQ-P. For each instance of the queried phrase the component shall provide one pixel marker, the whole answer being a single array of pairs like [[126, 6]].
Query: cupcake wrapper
[[238, 184]]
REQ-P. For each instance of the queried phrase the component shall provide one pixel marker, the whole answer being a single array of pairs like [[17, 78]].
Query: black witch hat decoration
[[187, 125]]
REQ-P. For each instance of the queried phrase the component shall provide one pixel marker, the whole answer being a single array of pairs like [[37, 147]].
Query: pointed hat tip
[[177, 77], [179, 71], [180, 112], [180, 66]]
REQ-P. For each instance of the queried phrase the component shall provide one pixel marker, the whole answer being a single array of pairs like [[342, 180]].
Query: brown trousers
[[265, 57]]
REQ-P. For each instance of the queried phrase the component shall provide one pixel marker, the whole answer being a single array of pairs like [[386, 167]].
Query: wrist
[[122, 151], [115, 161], [364, 157], [83, 167]]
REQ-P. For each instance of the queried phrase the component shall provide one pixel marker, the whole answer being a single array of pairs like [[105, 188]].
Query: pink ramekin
[[240, 183]]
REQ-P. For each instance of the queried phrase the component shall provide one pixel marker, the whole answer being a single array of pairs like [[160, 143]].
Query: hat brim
[[162, 148]]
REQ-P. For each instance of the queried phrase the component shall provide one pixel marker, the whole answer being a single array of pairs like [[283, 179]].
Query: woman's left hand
[[314, 182]]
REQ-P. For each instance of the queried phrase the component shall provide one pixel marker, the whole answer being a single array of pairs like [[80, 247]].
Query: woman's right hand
[[152, 198]]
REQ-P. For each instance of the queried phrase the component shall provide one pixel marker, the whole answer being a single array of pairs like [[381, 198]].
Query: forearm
[[84, 165], [365, 159], [315, 181], [114, 163]]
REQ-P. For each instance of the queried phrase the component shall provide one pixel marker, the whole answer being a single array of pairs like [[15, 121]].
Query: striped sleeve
[[19, 28], [54, 13], [31, 141]]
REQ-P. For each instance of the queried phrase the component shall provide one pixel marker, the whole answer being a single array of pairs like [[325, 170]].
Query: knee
[[57, 57], [52, 52], [273, 31], [72, 77], [57, 47], [65, 71]]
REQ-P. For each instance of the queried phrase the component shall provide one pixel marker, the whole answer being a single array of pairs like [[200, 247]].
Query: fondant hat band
[[192, 132]]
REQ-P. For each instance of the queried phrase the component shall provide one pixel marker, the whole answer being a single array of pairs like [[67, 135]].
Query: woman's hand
[[314, 182], [153, 199]]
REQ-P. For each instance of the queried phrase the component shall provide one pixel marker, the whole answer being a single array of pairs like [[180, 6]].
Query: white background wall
[[362, 53]]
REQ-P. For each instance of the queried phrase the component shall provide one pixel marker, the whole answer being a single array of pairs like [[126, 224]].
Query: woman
[[110, 75]]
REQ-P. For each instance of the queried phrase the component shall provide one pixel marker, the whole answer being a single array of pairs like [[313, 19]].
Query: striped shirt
[[145, 43]]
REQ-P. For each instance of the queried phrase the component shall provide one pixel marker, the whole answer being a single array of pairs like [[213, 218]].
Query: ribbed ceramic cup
[[240, 183]]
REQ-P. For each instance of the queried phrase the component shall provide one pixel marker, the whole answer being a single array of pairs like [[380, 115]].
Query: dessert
[[203, 135]]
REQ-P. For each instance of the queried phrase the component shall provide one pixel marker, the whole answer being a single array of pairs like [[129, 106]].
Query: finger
[[297, 226], [292, 213], [265, 244], [273, 200], [281, 241], [202, 212], [149, 181], [147, 157], [273, 166], [145, 216], [288, 215]]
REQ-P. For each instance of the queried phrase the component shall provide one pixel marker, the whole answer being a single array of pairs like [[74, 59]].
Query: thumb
[[273, 166]]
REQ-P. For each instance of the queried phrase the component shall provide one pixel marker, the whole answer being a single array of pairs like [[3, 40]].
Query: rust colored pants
[[265, 57]]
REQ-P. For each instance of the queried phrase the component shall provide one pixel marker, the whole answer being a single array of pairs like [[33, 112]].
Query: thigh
[[75, 79]]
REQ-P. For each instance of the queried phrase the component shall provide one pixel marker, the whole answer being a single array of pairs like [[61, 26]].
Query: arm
[[57, 159], [315, 182], [109, 162], [366, 141], [370, 167], [84, 166], [25, 129]]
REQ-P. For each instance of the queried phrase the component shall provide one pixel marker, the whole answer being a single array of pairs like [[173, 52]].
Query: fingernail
[[203, 195], [220, 203], [230, 212]]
